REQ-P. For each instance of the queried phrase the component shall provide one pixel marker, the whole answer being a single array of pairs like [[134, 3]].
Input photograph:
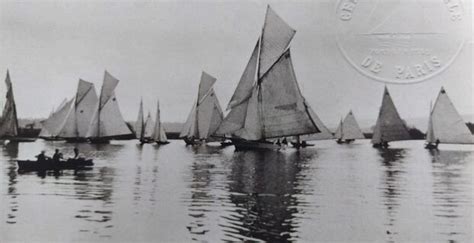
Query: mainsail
[[206, 113], [52, 125], [80, 114], [159, 134], [140, 123], [149, 127], [349, 129], [9, 121], [446, 124], [267, 102], [107, 121], [389, 126]]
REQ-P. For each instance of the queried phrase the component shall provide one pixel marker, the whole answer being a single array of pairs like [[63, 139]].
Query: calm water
[[176, 193]]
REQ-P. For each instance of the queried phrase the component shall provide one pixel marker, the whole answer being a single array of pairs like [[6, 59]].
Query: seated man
[[57, 156], [41, 156]]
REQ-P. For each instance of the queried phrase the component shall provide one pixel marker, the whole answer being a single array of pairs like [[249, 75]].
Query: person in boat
[[284, 141], [76, 153], [303, 144], [437, 143], [57, 156], [42, 156]]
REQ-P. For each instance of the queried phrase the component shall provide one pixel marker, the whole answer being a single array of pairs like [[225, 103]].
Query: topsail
[[159, 134], [446, 124], [52, 125], [267, 102]]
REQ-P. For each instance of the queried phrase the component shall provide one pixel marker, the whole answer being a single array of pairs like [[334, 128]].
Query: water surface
[[175, 193]]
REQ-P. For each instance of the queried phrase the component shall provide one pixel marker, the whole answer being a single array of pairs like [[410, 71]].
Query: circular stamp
[[400, 41]]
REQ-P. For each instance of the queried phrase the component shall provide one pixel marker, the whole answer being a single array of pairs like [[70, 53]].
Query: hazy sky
[[158, 50]]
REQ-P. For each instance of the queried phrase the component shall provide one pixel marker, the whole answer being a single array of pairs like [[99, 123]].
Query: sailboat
[[141, 126], [159, 134], [9, 120], [76, 124], [348, 130], [107, 122], [205, 116], [52, 125], [389, 125], [445, 125], [267, 103]]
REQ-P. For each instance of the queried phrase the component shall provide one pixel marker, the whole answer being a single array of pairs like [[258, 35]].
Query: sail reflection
[[392, 161], [263, 186], [450, 194], [10, 150]]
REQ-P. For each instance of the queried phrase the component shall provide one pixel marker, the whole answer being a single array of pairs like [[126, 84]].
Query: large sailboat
[[205, 116], [159, 134], [107, 122], [9, 120], [389, 126], [445, 125], [267, 103], [76, 123], [52, 125], [348, 130]]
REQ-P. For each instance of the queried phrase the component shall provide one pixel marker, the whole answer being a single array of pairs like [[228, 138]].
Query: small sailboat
[[267, 103], [348, 130], [76, 124], [107, 122], [52, 125], [205, 116], [389, 125], [159, 134], [141, 126], [9, 120], [445, 125]]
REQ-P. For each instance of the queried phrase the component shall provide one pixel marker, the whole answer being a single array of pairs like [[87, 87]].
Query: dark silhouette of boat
[[49, 164]]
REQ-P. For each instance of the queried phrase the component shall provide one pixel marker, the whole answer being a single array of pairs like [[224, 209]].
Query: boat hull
[[21, 139], [76, 140], [162, 143], [52, 138], [380, 145], [70, 164], [431, 146], [346, 141], [301, 145], [241, 144]]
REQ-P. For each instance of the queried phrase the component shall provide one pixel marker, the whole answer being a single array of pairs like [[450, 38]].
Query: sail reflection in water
[[263, 187]]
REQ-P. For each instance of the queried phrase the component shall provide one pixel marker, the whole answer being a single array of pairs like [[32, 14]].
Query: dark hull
[[347, 141], [99, 140], [380, 145], [226, 144], [52, 138], [70, 164], [21, 139], [431, 146], [242, 144], [162, 143], [76, 140], [301, 145]]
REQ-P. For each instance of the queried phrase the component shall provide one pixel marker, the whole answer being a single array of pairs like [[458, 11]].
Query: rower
[[42, 156], [57, 156]]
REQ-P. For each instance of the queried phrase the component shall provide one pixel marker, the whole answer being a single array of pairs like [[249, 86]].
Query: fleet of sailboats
[[348, 130], [445, 125], [266, 108], [389, 125], [205, 116]]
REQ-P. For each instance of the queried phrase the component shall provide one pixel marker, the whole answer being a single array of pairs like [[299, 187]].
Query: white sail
[[324, 133], [9, 120], [350, 128], [275, 38], [338, 133], [80, 114], [206, 115], [52, 126], [189, 128], [140, 123], [107, 121], [149, 127], [446, 123], [389, 126], [159, 134], [430, 138]]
